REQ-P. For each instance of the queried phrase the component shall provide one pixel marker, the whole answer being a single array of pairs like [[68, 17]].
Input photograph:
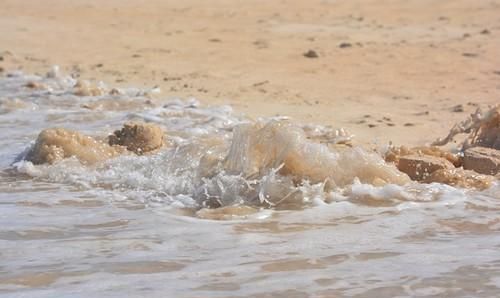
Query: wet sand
[[385, 70]]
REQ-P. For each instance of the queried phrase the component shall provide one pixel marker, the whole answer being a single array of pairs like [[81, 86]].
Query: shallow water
[[299, 216]]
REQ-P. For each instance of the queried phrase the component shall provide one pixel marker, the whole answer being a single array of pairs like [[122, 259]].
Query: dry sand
[[386, 69]]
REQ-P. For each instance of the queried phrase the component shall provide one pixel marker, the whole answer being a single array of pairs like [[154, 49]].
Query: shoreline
[[392, 71]]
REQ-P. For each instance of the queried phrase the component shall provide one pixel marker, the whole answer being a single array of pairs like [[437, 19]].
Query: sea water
[[230, 207]]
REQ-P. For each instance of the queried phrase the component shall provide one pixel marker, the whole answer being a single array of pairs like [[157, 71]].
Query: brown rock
[[311, 54], [458, 109], [395, 153], [115, 91], [55, 144], [461, 178], [345, 45], [482, 160], [489, 132], [420, 167], [483, 129], [35, 85], [84, 88], [138, 137]]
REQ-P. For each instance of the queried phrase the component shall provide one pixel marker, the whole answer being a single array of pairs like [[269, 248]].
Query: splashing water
[[309, 215]]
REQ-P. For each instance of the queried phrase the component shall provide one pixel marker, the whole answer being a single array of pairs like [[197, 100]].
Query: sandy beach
[[117, 190], [401, 71]]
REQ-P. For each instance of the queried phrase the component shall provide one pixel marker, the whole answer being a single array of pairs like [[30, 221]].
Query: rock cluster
[[474, 166], [473, 170]]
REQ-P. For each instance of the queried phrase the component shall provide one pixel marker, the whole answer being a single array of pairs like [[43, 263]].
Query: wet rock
[[488, 134], [395, 153], [53, 73], [311, 54], [482, 160], [8, 105], [138, 137], [419, 167], [55, 144], [111, 104], [84, 88], [35, 85], [115, 91], [256, 149], [226, 213], [483, 129], [460, 178]]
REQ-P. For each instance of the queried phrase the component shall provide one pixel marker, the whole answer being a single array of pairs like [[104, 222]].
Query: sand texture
[[398, 70]]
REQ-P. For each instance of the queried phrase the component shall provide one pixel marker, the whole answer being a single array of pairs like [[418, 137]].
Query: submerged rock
[[84, 88], [257, 148], [460, 178], [482, 160], [9, 105], [227, 212], [55, 144], [35, 85], [138, 137], [420, 162], [394, 154]]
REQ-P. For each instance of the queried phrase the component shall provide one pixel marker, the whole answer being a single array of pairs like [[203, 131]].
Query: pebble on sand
[[311, 54]]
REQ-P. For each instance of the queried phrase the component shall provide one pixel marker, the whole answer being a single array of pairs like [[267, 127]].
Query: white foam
[[324, 216]]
